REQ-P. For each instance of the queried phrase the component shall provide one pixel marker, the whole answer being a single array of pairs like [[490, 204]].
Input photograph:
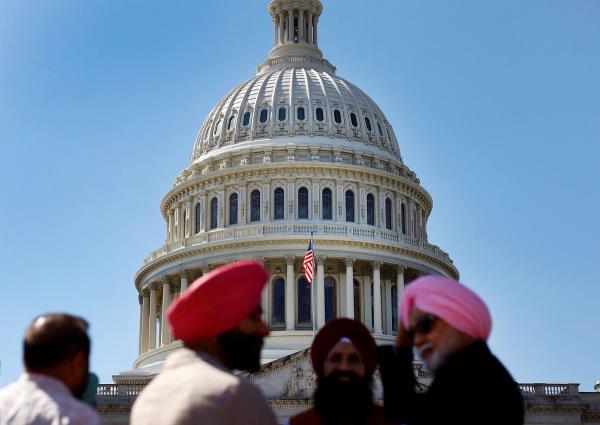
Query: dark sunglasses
[[424, 325]]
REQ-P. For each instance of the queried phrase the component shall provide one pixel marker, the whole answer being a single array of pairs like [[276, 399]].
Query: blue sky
[[496, 106]]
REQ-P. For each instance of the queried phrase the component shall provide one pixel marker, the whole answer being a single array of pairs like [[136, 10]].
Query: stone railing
[[291, 229], [296, 60], [543, 390], [118, 393]]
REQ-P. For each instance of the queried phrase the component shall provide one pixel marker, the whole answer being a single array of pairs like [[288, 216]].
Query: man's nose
[[419, 339]]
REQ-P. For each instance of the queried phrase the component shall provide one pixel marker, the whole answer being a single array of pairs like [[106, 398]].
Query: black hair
[[52, 339]]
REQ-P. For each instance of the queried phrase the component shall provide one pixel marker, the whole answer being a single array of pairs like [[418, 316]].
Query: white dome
[[297, 94], [297, 101]]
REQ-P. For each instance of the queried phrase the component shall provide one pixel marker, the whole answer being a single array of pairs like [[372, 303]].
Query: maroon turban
[[218, 301], [331, 334]]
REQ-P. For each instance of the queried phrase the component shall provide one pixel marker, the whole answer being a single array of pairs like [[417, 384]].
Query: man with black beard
[[56, 352], [344, 357], [219, 320]]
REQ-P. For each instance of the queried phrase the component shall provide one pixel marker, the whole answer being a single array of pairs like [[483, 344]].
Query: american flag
[[309, 264]]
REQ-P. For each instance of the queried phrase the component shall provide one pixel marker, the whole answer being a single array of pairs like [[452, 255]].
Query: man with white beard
[[447, 325]]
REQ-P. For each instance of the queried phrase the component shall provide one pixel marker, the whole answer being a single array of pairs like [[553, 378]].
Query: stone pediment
[[292, 378]]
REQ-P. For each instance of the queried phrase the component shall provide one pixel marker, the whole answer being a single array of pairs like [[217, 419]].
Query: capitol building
[[295, 151]]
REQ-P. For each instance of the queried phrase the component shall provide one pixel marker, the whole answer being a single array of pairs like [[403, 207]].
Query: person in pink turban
[[219, 321], [447, 326]]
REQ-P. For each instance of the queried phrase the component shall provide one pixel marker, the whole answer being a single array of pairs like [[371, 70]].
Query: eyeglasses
[[424, 325]]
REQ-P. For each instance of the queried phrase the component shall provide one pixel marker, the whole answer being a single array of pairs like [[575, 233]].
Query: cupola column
[[316, 26], [310, 27], [291, 26], [275, 29], [281, 28], [301, 26]]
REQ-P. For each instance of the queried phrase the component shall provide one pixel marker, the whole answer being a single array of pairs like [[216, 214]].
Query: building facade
[[293, 153]]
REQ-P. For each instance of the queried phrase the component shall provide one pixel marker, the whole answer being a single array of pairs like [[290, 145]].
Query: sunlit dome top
[[296, 97]]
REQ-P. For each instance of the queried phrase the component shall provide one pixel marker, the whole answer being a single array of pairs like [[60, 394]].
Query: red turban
[[218, 301], [331, 334]]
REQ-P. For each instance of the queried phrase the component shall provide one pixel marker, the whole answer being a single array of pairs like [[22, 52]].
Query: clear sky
[[496, 106]]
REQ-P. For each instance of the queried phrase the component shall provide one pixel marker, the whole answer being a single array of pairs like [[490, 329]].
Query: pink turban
[[449, 300], [218, 301]]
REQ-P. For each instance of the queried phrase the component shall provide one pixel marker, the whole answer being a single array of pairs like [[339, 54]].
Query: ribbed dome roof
[[297, 93]]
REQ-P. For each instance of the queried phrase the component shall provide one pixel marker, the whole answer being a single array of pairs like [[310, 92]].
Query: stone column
[[276, 28], [190, 219], [300, 25], [281, 27], [166, 301], [145, 321], [310, 27], [183, 276], [367, 303], [170, 227], [316, 26], [377, 326], [350, 288], [320, 291], [289, 295], [152, 319], [399, 289], [387, 302], [291, 25]]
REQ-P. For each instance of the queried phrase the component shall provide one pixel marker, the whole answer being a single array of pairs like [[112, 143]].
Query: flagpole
[[312, 288]]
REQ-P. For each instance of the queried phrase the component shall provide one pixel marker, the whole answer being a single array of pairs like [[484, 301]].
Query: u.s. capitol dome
[[293, 151]]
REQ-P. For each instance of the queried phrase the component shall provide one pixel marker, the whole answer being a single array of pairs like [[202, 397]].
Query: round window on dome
[[353, 119], [282, 114], [337, 116], [301, 114], [264, 114], [368, 124], [320, 114], [379, 128], [218, 127]]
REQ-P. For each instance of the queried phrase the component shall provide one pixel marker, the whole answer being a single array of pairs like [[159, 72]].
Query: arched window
[[368, 123], [370, 209], [350, 206], [230, 122], [255, 205], [357, 314], [264, 115], [380, 130], [353, 119], [337, 116], [330, 299], [214, 210], [303, 202], [301, 114], [218, 126], [278, 213], [388, 213], [282, 114], [246, 119], [233, 209], [320, 114], [327, 204], [198, 217], [304, 304], [394, 307], [403, 218], [278, 305]]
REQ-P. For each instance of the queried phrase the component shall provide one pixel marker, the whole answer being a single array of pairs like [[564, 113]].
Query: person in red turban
[[219, 321], [344, 358], [447, 325]]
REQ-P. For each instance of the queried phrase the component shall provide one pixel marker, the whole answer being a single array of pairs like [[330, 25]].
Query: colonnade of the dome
[[295, 21], [343, 287]]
